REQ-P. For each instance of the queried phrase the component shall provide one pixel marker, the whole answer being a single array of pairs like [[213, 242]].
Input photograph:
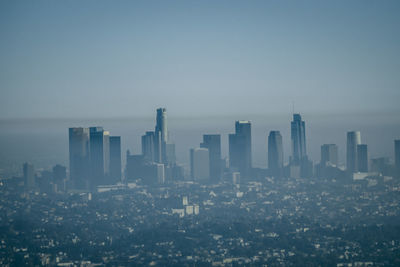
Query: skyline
[[22, 137], [145, 167], [183, 132], [206, 161], [130, 57]]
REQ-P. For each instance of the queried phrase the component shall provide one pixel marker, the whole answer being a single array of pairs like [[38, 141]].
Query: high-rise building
[[161, 124], [275, 153], [59, 173], [240, 148], [29, 175], [298, 136], [329, 155], [353, 139], [300, 165], [79, 155], [115, 159], [170, 157], [106, 154], [148, 146], [397, 156], [138, 168], [98, 162], [362, 158], [160, 172], [59, 177], [213, 143], [161, 135], [199, 164]]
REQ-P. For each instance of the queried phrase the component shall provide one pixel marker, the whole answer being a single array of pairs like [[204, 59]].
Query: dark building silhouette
[[99, 155], [115, 159], [148, 146], [59, 177], [362, 158], [240, 148], [161, 136], [213, 143], [300, 165], [275, 153], [138, 168], [397, 156], [353, 139], [29, 175], [170, 158], [200, 164], [381, 165], [298, 137], [79, 155], [329, 155], [59, 173]]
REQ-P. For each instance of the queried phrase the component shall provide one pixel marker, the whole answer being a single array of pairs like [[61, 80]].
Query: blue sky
[[125, 58]]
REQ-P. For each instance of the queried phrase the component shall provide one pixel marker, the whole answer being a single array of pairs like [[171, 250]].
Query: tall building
[[59, 173], [200, 164], [59, 177], [397, 156], [353, 139], [29, 175], [79, 155], [298, 136], [106, 152], [240, 148], [275, 153], [213, 143], [170, 157], [138, 168], [148, 146], [300, 165], [161, 135], [160, 172], [98, 149], [115, 159], [362, 158], [329, 155]]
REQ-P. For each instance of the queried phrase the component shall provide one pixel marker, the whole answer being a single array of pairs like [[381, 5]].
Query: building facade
[[240, 148], [353, 139], [213, 143], [275, 153]]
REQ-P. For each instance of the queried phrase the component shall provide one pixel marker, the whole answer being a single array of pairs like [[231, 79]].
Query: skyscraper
[[213, 143], [362, 158], [275, 153], [79, 164], [161, 124], [148, 146], [29, 175], [397, 156], [353, 139], [115, 159], [200, 164], [329, 155], [240, 148], [300, 165], [106, 152], [59, 177], [97, 155], [161, 135], [298, 136], [170, 157]]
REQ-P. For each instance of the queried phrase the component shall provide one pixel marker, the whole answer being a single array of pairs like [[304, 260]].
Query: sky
[[104, 59]]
